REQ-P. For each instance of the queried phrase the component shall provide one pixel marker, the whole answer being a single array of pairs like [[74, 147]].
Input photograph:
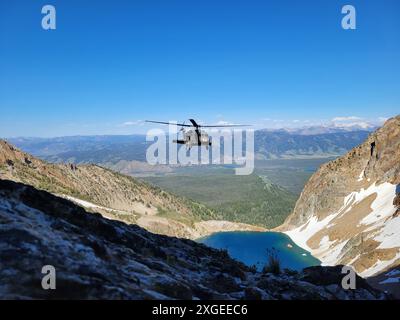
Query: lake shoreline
[[253, 247]]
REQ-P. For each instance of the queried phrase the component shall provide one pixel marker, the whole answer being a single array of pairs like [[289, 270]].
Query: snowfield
[[381, 227]]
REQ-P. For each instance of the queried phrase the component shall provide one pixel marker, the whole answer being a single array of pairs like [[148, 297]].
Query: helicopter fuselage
[[194, 137]]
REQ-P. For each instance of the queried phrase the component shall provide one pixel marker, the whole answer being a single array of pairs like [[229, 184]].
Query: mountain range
[[282, 144], [349, 210], [122, 151]]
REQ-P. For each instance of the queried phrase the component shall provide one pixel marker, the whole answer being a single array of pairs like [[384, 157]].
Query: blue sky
[[110, 64]]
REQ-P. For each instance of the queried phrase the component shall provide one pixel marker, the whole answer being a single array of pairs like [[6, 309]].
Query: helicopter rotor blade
[[226, 126], [195, 125], [170, 123]]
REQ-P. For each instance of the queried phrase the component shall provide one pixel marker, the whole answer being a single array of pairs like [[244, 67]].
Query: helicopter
[[195, 136]]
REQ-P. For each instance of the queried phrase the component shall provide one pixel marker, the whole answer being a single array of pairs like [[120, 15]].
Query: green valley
[[248, 199]]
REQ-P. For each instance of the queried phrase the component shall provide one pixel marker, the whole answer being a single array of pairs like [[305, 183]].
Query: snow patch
[[361, 176], [90, 205], [302, 234], [382, 207], [384, 228], [331, 255], [82, 203]]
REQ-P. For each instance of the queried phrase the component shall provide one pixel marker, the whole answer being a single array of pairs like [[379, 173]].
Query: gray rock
[[98, 258]]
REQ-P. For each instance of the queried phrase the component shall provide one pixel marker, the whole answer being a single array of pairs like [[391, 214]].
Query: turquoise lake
[[252, 247]]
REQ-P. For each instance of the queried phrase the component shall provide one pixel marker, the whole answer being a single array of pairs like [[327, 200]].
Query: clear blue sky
[[111, 63]]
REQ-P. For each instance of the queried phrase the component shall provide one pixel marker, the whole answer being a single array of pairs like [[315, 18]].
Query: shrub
[[253, 268], [273, 263]]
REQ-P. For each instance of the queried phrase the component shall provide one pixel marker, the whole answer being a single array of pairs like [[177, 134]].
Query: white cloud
[[350, 118], [357, 122], [132, 123], [223, 123], [382, 120], [350, 121]]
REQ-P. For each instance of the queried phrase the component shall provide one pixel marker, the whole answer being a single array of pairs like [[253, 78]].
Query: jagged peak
[[350, 198]]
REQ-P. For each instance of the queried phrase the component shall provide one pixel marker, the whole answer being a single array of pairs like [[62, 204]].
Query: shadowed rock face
[[97, 258], [396, 202]]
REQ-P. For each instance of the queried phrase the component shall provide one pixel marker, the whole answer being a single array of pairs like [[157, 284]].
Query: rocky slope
[[349, 211], [98, 258], [114, 195]]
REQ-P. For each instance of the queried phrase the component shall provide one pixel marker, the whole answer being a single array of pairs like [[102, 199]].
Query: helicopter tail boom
[[179, 141]]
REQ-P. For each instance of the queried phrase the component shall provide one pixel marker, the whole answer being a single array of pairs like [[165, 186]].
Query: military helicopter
[[195, 136]]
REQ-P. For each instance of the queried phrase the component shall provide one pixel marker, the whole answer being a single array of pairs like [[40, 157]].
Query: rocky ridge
[[348, 212], [114, 195], [98, 258]]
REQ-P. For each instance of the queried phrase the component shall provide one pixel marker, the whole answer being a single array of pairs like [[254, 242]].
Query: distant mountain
[[314, 130], [85, 149], [309, 142], [98, 258], [282, 144], [349, 211], [114, 195]]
